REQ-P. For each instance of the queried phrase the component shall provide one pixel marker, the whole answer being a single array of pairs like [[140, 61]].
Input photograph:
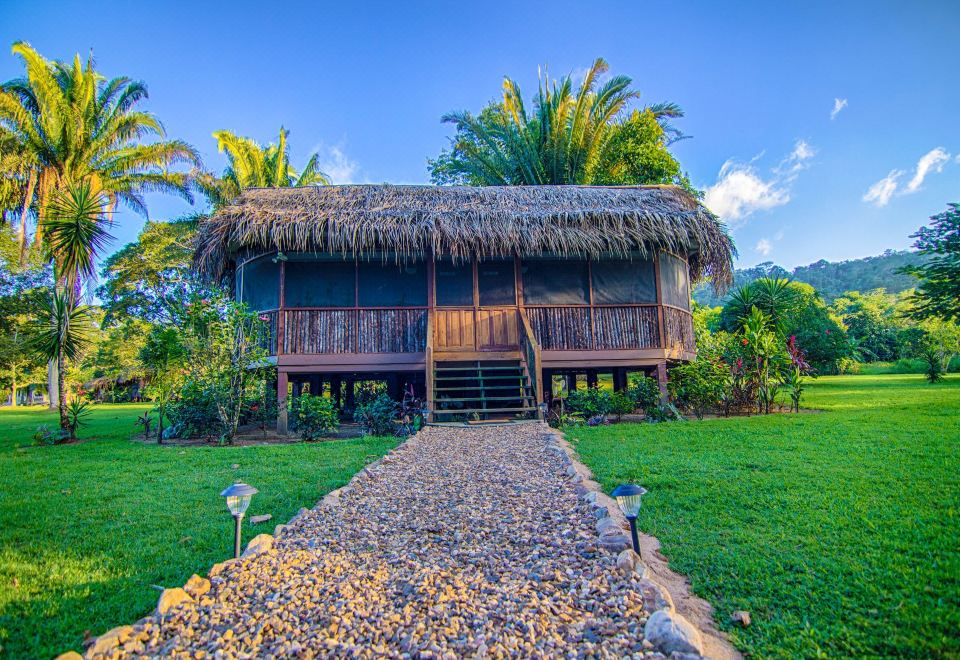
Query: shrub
[[376, 417], [700, 385], [645, 392], [621, 403], [591, 402], [314, 416], [44, 435], [195, 413], [933, 365]]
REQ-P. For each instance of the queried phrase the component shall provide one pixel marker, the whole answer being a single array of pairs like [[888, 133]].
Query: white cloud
[[880, 193], [838, 105], [742, 190], [764, 247], [883, 190], [338, 166], [932, 160]]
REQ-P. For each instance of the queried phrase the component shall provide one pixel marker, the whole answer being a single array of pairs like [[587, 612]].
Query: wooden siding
[[325, 331], [561, 328], [678, 328], [625, 328]]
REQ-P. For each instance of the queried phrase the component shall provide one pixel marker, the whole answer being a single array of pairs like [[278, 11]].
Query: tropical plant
[[251, 165], [592, 403], [699, 385], [570, 137], [77, 414], [376, 417], [766, 355], [645, 392], [314, 416], [226, 357], [61, 336], [621, 403], [163, 356], [796, 372], [145, 421], [776, 297], [194, 413]]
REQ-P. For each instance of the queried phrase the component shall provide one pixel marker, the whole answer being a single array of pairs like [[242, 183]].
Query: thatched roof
[[462, 221]]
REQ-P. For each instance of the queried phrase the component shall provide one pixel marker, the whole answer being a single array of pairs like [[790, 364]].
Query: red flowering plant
[[796, 373]]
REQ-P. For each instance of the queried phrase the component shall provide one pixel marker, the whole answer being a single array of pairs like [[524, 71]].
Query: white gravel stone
[[468, 542]]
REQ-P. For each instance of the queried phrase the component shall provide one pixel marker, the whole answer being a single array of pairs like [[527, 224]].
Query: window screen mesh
[[496, 282], [319, 283], [454, 284], [392, 285], [673, 281], [554, 282], [259, 284], [620, 281]]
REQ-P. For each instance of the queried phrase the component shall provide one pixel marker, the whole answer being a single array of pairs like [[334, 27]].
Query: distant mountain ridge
[[831, 279]]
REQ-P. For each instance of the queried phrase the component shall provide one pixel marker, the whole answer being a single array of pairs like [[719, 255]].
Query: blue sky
[[820, 130]]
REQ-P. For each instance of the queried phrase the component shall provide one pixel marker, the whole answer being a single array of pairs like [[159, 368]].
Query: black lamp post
[[628, 499], [238, 499]]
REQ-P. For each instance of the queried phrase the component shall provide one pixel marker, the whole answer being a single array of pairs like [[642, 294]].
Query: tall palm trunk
[[53, 383], [27, 197], [62, 394]]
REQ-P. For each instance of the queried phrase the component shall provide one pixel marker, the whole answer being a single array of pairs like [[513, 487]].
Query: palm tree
[[69, 124], [61, 337], [253, 166], [75, 237], [72, 125], [776, 297], [568, 138]]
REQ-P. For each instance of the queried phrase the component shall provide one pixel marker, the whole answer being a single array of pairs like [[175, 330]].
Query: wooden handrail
[[530, 344], [428, 355]]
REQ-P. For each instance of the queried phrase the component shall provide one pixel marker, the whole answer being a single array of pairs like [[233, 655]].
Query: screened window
[[623, 281], [258, 284], [674, 281], [454, 283], [320, 283], [555, 282], [391, 285], [496, 282]]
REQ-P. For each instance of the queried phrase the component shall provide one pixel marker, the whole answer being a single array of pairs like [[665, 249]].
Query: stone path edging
[[678, 599]]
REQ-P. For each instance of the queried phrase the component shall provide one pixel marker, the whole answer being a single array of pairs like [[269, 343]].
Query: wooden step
[[484, 398], [476, 368], [468, 411], [525, 386]]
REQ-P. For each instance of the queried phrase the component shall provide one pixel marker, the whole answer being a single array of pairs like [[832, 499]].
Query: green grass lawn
[[839, 531], [87, 529]]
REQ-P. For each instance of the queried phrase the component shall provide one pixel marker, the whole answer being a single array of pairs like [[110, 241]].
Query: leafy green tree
[[939, 292], [152, 278], [569, 137], [872, 322], [163, 356], [251, 165]]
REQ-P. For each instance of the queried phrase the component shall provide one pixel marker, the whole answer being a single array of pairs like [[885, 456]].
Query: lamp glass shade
[[238, 497], [628, 498]]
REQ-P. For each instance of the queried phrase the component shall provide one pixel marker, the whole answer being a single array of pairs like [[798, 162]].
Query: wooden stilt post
[[592, 378], [282, 402], [662, 378]]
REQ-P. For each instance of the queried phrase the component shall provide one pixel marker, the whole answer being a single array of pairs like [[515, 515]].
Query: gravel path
[[468, 541]]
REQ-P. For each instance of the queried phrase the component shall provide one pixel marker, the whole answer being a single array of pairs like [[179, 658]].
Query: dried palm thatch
[[462, 221]]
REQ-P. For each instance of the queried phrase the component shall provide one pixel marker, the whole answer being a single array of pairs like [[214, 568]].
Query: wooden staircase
[[482, 390]]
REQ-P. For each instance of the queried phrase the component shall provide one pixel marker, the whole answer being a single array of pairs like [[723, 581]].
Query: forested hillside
[[831, 279]]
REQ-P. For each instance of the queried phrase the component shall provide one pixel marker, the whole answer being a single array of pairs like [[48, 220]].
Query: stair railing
[[428, 355], [530, 354]]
